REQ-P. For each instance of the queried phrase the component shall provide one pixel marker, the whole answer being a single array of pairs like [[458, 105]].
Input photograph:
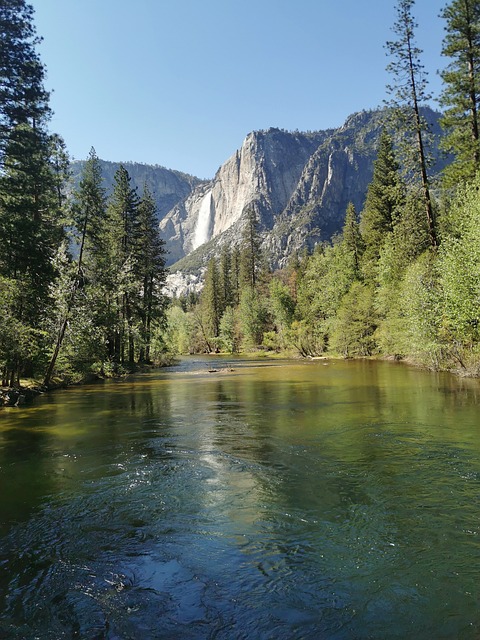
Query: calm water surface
[[263, 500]]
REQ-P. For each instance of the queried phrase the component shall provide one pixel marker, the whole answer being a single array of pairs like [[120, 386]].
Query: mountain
[[299, 184], [168, 187]]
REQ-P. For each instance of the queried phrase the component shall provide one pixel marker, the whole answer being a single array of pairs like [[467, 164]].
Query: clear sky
[[180, 83]]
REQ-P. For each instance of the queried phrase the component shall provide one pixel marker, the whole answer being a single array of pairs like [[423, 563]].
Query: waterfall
[[203, 230]]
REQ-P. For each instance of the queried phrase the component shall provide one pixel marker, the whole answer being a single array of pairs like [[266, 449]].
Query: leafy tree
[[461, 89], [354, 326], [228, 330], [252, 317], [422, 310], [282, 308], [177, 331], [19, 341], [409, 92], [459, 267]]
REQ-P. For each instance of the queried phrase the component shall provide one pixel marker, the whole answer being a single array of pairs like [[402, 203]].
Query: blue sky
[[180, 83]]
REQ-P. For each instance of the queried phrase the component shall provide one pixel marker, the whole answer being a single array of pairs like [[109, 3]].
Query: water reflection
[[264, 499]]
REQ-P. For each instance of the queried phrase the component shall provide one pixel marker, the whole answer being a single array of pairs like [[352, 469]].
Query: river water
[[236, 499]]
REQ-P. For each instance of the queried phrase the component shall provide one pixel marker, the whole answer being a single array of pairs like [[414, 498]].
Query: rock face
[[167, 186], [299, 184], [263, 174]]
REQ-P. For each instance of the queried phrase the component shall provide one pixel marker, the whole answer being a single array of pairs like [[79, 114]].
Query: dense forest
[[81, 273]]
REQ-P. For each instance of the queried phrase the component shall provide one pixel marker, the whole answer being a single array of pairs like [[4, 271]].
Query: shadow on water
[[236, 499]]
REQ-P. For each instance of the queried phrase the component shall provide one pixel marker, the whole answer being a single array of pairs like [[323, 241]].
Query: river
[[244, 499]]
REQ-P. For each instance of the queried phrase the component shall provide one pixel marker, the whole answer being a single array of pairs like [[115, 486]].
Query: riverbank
[[29, 389]]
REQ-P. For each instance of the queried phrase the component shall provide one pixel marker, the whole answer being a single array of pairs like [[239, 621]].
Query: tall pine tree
[[384, 197], [123, 238], [461, 89], [33, 167], [150, 263], [409, 92]]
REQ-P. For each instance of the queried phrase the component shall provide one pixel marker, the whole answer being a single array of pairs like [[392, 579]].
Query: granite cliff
[[167, 186], [299, 184]]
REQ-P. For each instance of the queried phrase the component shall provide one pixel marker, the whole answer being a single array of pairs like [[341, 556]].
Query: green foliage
[[253, 318], [282, 307], [409, 92], [460, 278], [211, 304], [461, 89], [33, 169], [421, 310], [250, 256], [384, 198], [229, 333], [353, 327], [19, 341], [309, 340], [176, 336]]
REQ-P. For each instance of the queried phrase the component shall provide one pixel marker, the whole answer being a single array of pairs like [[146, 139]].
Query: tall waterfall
[[203, 230]]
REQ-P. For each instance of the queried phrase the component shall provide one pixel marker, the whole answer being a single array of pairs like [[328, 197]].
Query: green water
[[262, 500]]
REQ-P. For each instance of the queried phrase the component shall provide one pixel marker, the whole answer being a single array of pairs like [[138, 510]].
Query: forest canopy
[[82, 273]]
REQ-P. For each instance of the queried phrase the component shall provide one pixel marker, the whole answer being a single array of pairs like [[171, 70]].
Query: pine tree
[[88, 209], [226, 288], [352, 241], [33, 168], [210, 310], [409, 92], [123, 238], [150, 263], [235, 275], [23, 98], [461, 89], [250, 259], [381, 209]]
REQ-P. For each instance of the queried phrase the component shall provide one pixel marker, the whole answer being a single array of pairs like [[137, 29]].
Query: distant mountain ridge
[[167, 185], [299, 185]]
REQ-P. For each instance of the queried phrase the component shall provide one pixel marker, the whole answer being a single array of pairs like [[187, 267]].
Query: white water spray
[[203, 230]]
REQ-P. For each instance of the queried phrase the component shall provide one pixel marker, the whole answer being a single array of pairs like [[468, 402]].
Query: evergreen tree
[[88, 212], [33, 168], [89, 209], [123, 239], [381, 209], [151, 269], [23, 98], [235, 275], [352, 241], [461, 90], [409, 92], [210, 305], [226, 287], [250, 259]]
